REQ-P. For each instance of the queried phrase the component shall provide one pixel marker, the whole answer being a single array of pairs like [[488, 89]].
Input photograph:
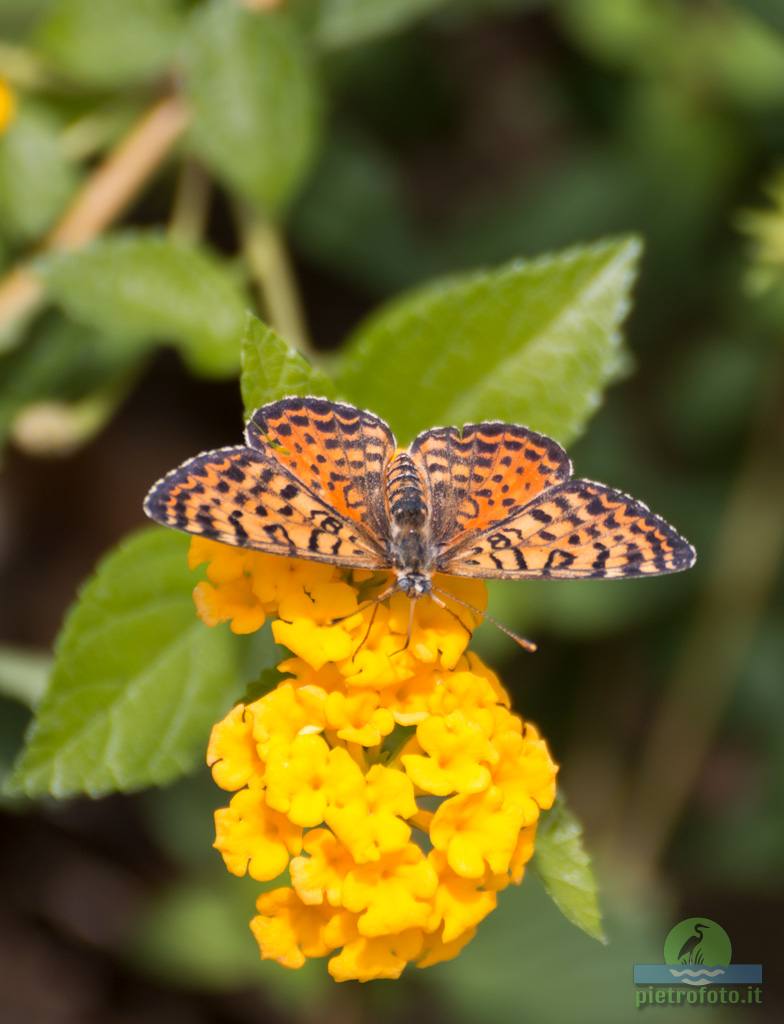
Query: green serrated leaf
[[106, 43], [36, 178], [252, 88], [347, 22], [271, 369], [137, 680], [564, 866], [141, 287], [534, 342], [24, 674]]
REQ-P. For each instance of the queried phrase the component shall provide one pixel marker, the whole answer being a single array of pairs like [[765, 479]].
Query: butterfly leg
[[373, 601], [410, 631], [364, 639]]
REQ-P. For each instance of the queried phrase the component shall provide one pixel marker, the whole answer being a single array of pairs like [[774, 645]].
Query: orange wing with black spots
[[484, 473], [576, 530], [338, 451], [241, 497]]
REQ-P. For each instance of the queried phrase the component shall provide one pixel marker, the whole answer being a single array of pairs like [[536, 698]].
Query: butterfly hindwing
[[338, 451], [241, 497], [484, 473], [577, 530]]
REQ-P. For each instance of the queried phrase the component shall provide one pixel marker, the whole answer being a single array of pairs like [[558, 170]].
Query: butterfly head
[[413, 584]]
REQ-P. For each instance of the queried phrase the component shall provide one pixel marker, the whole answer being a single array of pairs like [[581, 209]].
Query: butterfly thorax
[[409, 524]]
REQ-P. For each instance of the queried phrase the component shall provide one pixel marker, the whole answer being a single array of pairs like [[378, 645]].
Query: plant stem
[[119, 178], [269, 264], [191, 204], [100, 201], [740, 578]]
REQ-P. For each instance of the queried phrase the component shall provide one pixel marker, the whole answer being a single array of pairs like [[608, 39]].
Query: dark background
[[485, 132]]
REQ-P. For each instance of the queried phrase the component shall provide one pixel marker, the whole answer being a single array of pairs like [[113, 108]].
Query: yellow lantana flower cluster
[[385, 771]]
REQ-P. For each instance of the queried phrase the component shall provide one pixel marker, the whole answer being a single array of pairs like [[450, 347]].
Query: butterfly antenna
[[527, 645], [445, 606]]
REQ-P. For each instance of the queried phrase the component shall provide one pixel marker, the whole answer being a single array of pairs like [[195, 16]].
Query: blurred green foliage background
[[311, 162]]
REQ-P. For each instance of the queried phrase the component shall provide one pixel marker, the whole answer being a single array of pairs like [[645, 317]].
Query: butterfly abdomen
[[408, 513], [405, 491]]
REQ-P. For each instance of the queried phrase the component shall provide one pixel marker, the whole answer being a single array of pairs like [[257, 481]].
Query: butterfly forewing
[[484, 473], [241, 497], [338, 451], [576, 530]]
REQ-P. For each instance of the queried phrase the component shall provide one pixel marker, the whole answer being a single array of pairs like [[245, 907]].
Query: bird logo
[[691, 950]]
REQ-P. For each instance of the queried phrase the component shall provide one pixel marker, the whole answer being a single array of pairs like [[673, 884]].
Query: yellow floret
[[366, 959], [253, 838], [369, 822], [460, 903], [477, 831], [306, 777], [289, 931], [457, 752], [320, 875], [393, 893], [232, 753]]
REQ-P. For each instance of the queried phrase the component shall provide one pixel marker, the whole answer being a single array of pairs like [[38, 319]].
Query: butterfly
[[324, 480]]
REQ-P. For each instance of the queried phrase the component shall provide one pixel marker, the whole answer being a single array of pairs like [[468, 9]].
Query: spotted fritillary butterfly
[[324, 481]]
